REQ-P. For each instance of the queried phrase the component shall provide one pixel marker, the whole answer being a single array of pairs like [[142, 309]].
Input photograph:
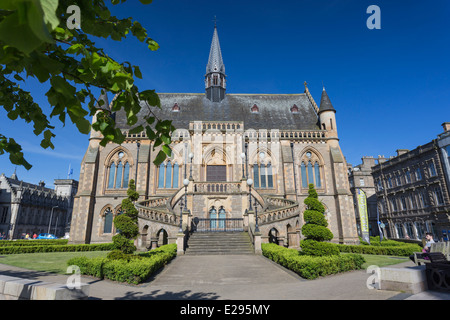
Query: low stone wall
[[409, 279], [13, 288]]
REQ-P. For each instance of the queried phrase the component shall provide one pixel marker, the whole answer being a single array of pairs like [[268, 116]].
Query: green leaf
[[160, 157], [137, 72], [167, 150], [146, 1], [83, 125], [49, 7]]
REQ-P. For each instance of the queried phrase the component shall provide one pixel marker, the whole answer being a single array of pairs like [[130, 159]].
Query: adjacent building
[[360, 177], [412, 190], [280, 143], [27, 208]]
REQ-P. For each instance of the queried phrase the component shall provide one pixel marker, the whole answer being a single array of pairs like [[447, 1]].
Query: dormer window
[[175, 108], [294, 109], [255, 109]]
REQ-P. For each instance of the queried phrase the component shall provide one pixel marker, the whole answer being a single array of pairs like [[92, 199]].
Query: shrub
[[399, 250], [56, 248], [127, 222], [311, 267], [316, 232], [125, 267], [316, 248], [315, 226]]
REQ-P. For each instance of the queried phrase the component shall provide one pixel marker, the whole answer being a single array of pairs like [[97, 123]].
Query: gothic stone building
[[281, 142], [30, 208]]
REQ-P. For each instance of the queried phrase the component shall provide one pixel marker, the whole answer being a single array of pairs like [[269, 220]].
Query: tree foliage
[[37, 40]]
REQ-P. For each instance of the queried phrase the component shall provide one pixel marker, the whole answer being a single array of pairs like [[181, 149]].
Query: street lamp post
[[243, 164], [191, 156], [51, 216], [181, 215], [249, 183], [256, 217]]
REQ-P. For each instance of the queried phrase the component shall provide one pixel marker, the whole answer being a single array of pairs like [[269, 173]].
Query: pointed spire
[[103, 97], [215, 78], [325, 103], [215, 62]]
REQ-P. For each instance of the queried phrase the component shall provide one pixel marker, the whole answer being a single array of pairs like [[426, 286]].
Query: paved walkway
[[237, 277]]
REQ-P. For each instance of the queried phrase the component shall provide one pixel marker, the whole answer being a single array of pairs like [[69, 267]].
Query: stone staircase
[[214, 243]]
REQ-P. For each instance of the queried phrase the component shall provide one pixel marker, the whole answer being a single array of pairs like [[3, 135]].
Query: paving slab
[[231, 277]]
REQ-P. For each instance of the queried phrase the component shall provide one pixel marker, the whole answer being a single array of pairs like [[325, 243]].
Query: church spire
[[215, 78]]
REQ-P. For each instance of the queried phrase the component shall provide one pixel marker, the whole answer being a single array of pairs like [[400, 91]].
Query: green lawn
[[57, 261], [382, 261], [47, 261]]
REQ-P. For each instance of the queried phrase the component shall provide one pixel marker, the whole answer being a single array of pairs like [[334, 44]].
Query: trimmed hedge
[[27, 243], [390, 250], [311, 267], [56, 248], [318, 248], [127, 270]]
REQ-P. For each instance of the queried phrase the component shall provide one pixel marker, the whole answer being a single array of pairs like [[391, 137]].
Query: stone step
[[203, 243]]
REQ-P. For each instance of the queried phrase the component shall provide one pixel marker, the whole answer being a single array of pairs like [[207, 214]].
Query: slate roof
[[325, 103], [274, 111], [215, 61]]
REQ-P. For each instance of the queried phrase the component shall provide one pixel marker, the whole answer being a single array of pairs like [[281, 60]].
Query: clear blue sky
[[390, 87]]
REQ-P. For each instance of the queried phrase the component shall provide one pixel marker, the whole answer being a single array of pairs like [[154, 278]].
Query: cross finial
[[215, 21], [305, 84]]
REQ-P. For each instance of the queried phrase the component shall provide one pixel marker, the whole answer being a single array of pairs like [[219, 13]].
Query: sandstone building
[[412, 190], [282, 142], [360, 177], [30, 208]]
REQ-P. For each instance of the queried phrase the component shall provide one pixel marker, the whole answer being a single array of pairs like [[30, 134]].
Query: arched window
[[311, 171], [269, 176], [256, 175], [162, 169], [168, 182], [304, 175], [112, 175], [119, 171], [399, 229], [168, 175], [317, 175], [262, 173], [119, 175], [126, 175], [175, 175], [108, 221], [213, 218]]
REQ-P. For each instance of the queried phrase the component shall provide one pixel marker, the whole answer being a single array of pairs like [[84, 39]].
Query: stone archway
[[273, 235], [163, 237]]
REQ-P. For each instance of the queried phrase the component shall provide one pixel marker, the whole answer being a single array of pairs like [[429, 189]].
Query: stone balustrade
[[287, 209], [217, 187], [158, 215]]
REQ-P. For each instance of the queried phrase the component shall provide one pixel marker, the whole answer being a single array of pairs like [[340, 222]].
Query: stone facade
[[29, 208], [360, 177], [412, 193], [282, 142]]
